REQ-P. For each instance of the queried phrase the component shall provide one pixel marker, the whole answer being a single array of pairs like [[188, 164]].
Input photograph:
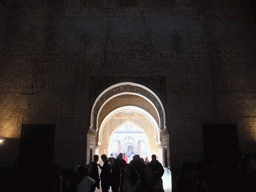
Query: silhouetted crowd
[[222, 176], [115, 173], [141, 176]]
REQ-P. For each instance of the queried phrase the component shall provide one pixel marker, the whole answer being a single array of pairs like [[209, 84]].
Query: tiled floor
[[167, 182]]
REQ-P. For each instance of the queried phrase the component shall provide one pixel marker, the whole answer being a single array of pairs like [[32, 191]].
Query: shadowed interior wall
[[206, 52]]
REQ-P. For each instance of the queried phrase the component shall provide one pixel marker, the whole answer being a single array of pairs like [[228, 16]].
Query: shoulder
[[159, 163], [123, 162], [91, 180]]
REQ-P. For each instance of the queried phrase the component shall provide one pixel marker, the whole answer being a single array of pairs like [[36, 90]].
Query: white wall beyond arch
[[137, 109]]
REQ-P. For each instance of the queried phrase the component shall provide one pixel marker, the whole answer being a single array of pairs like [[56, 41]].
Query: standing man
[[111, 159], [105, 175], [117, 173], [158, 172], [95, 173]]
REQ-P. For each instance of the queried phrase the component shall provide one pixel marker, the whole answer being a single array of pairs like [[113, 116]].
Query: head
[[96, 158], [136, 158], [153, 157], [83, 171], [104, 157], [89, 166], [120, 156]]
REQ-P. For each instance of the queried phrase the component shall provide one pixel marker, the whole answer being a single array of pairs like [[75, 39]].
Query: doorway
[[122, 106], [130, 140], [123, 102], [36, 155]]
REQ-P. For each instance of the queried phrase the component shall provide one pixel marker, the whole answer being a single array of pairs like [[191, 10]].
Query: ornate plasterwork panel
[[156, 84]]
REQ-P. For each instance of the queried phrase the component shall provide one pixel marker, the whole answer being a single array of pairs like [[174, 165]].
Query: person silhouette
[[117, 172], [158, 172], [87, 182], [105, 175], [95, 172]]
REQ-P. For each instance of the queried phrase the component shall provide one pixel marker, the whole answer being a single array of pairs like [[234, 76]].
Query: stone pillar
[[91, 144], [165, 145]]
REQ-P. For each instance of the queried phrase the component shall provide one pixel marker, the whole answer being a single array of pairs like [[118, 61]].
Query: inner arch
[[124, 99], [126, 88], [131, 108], [129, 139], [134, 123]]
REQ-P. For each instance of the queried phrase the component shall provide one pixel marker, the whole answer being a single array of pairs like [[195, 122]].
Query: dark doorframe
[[220, 143], [36, 154]]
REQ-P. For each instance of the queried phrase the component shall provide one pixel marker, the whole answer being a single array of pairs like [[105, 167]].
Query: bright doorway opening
[[129, 118], [130, 140], [130, 130]]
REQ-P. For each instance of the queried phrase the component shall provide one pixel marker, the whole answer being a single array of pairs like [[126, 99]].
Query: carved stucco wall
[[205, 54]]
